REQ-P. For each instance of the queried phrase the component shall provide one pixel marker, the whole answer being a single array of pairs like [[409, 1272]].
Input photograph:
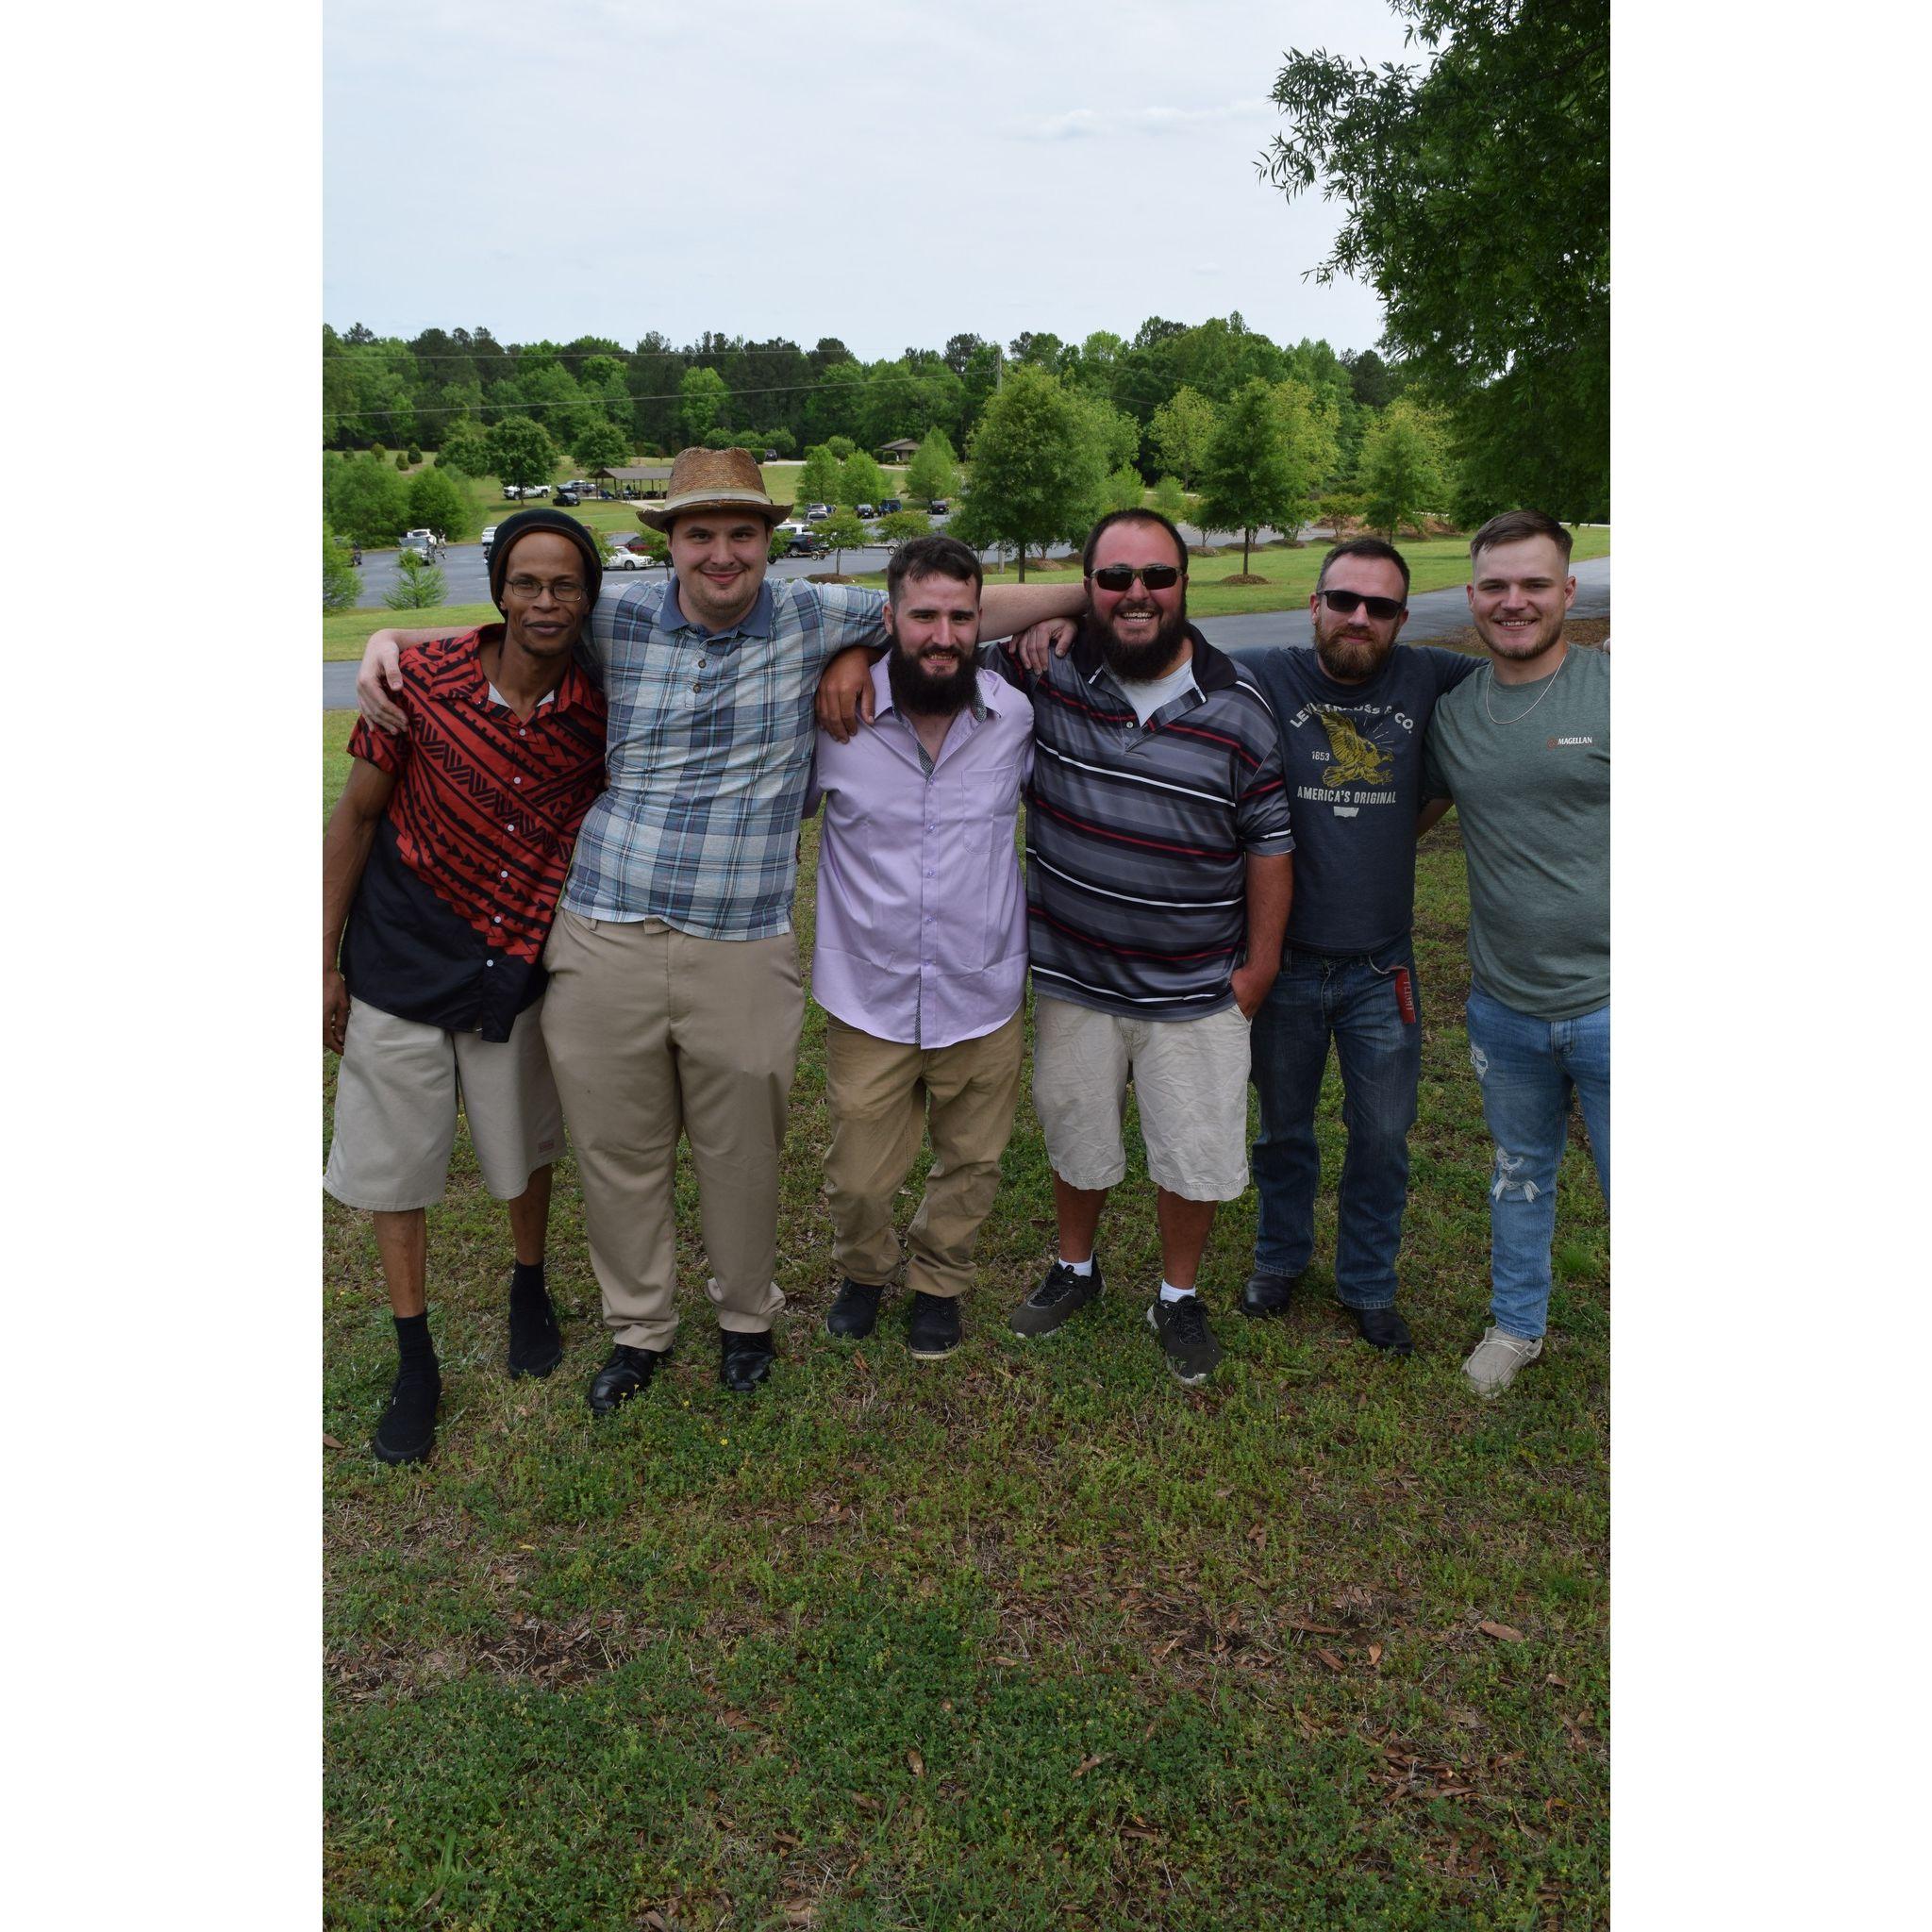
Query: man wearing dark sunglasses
[[1353, 710], [1158, 874]]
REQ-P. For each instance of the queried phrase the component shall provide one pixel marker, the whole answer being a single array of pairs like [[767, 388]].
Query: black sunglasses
[[1345, 603], [1157, 577]]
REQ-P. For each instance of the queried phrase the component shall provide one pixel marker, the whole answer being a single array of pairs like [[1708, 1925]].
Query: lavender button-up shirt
[[922, 917]]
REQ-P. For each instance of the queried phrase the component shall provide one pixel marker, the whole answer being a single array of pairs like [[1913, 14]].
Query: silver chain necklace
[[1489, 678]]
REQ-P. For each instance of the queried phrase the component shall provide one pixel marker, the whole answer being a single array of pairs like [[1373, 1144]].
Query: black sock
[[413, 1344], [527, 1283]]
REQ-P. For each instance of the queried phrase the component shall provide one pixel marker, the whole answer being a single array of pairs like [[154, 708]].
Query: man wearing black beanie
[[442, 865]]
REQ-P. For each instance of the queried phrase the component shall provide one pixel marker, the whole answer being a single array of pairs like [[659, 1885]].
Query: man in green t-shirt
[[1522, 750]]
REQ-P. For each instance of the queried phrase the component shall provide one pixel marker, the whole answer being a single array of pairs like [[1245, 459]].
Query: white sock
[[1169, 1292], [1084, 1267]]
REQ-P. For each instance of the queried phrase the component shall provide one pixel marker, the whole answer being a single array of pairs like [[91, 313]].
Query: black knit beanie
[[520, 525]]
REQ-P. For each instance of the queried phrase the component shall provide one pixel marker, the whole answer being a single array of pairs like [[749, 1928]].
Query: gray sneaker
[[1182, 1326], [1063, 1293], [1497, 1360]]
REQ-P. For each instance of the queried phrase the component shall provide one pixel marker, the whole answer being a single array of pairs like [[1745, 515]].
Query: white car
[[421, 542], [626, 559]]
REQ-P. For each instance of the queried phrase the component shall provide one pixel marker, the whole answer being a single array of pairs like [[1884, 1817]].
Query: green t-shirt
[[1533, 794]]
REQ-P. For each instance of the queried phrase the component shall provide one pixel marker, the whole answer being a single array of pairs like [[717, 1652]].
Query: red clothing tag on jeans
[[1404, 997]]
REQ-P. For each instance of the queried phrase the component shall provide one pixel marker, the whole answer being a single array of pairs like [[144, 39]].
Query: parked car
[[939, 507], [421, 542], [622, 558], [888, 506], [866, 513], [513, 492], [566, 499], [805, 543], [818, 512]]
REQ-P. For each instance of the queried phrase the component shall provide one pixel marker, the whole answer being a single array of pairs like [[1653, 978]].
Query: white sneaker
[[1496, 1360]]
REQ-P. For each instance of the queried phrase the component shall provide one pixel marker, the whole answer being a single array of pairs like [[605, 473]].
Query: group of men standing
[[1219, 880]]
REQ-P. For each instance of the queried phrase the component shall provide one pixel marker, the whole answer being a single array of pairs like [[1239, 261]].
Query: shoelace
[[1185, 1319], [1060, 1282]]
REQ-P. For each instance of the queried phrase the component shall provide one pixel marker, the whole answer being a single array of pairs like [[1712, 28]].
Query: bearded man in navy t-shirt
[[1352, 711]]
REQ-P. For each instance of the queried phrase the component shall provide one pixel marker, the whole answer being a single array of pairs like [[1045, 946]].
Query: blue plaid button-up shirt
[[711, 743]]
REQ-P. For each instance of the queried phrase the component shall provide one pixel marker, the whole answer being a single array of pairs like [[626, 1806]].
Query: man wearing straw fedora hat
[[675, 1001]]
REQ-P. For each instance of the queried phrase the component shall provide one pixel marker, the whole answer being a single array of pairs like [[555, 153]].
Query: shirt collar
[[758, 622], [480, 691]]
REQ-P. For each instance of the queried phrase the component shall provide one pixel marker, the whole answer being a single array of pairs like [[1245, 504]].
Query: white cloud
[[1079, 124]]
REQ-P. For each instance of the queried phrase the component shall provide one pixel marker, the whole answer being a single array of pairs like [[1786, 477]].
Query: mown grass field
[[1033, 1637]]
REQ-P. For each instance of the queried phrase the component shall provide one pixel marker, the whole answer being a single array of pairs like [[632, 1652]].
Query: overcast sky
[[888, 173]]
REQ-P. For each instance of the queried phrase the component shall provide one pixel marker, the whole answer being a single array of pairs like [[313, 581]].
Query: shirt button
[[489, 962], [510, 828], [521, 732], [498, 920], [503, 875], [516, 781]]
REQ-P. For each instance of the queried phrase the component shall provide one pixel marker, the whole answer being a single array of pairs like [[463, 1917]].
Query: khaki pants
[[882, 1094], [650, 1032]]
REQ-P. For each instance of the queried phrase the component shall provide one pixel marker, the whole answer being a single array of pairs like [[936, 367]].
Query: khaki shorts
[[396, 1095], [1191, 1078]]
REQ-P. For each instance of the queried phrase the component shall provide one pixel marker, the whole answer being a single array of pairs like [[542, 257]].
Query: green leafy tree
[[1402, 471], [1173, 502], [1478, 195], [438, 502], [843, 531], [818, 480], [402, 461], [419, 585], [368, 502], [465, 450], [1181, 430], [934, 471], [1339, 509], [340, 582], [600, 445], [862, 480], [700, 399], [1123, 489], [902, 525], [1036, 468], [521, 452], [415, 456], [1252, 473], [781, 443], [841, 446]]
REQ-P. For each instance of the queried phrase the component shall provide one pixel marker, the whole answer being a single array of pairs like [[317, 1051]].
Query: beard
[[1521, 646], [930, 695], [1143, 663], [1352, 660]]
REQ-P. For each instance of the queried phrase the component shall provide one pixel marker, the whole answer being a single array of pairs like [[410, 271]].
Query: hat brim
[[660, 517]]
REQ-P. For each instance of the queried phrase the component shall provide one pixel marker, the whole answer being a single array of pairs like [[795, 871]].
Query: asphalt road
[[1431, 614]]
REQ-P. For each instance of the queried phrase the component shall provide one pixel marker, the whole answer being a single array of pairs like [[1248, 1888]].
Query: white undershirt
[[1148, 698]]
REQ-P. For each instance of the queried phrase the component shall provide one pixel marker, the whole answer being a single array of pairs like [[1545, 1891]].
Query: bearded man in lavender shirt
[[920, 954]]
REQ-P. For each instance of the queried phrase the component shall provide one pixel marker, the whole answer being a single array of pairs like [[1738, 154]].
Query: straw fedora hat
[[713, 480]]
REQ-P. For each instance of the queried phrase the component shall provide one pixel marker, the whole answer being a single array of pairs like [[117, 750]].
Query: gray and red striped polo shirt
[[1138, 836]]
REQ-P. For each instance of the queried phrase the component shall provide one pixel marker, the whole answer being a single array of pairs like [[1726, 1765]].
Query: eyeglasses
[[568, 591], [1157, 577], [1346, 603]]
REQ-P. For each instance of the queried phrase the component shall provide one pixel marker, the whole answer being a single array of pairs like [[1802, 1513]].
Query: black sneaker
[[855, 1309], [1182, 1326], [932, 1327], [407, 1430], [1063, 1293], [536, 1345]]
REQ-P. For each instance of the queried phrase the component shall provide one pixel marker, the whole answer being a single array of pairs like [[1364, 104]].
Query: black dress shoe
[[1268, 1294], [932, 1326], [536, 1346], [744, 1361], [407, 1430], [1385, 1329], [628, 1371], [853, 1310]]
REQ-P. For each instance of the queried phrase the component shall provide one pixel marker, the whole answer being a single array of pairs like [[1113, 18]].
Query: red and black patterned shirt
[[468, 865]]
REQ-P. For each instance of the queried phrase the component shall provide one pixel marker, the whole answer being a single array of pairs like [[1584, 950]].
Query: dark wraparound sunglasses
[[1345, 603], [1157, 577]]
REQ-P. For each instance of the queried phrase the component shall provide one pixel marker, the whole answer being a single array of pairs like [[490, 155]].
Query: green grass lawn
[[1033, 1637]]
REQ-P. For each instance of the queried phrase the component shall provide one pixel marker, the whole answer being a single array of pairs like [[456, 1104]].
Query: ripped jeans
[[1527, 1068]]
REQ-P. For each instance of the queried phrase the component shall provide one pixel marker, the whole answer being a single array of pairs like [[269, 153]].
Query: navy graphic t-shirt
[[1352, 755]]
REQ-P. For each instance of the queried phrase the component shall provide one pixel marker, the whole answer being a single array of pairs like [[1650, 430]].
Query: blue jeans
[[1527, 1068], [1353, 1001]]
